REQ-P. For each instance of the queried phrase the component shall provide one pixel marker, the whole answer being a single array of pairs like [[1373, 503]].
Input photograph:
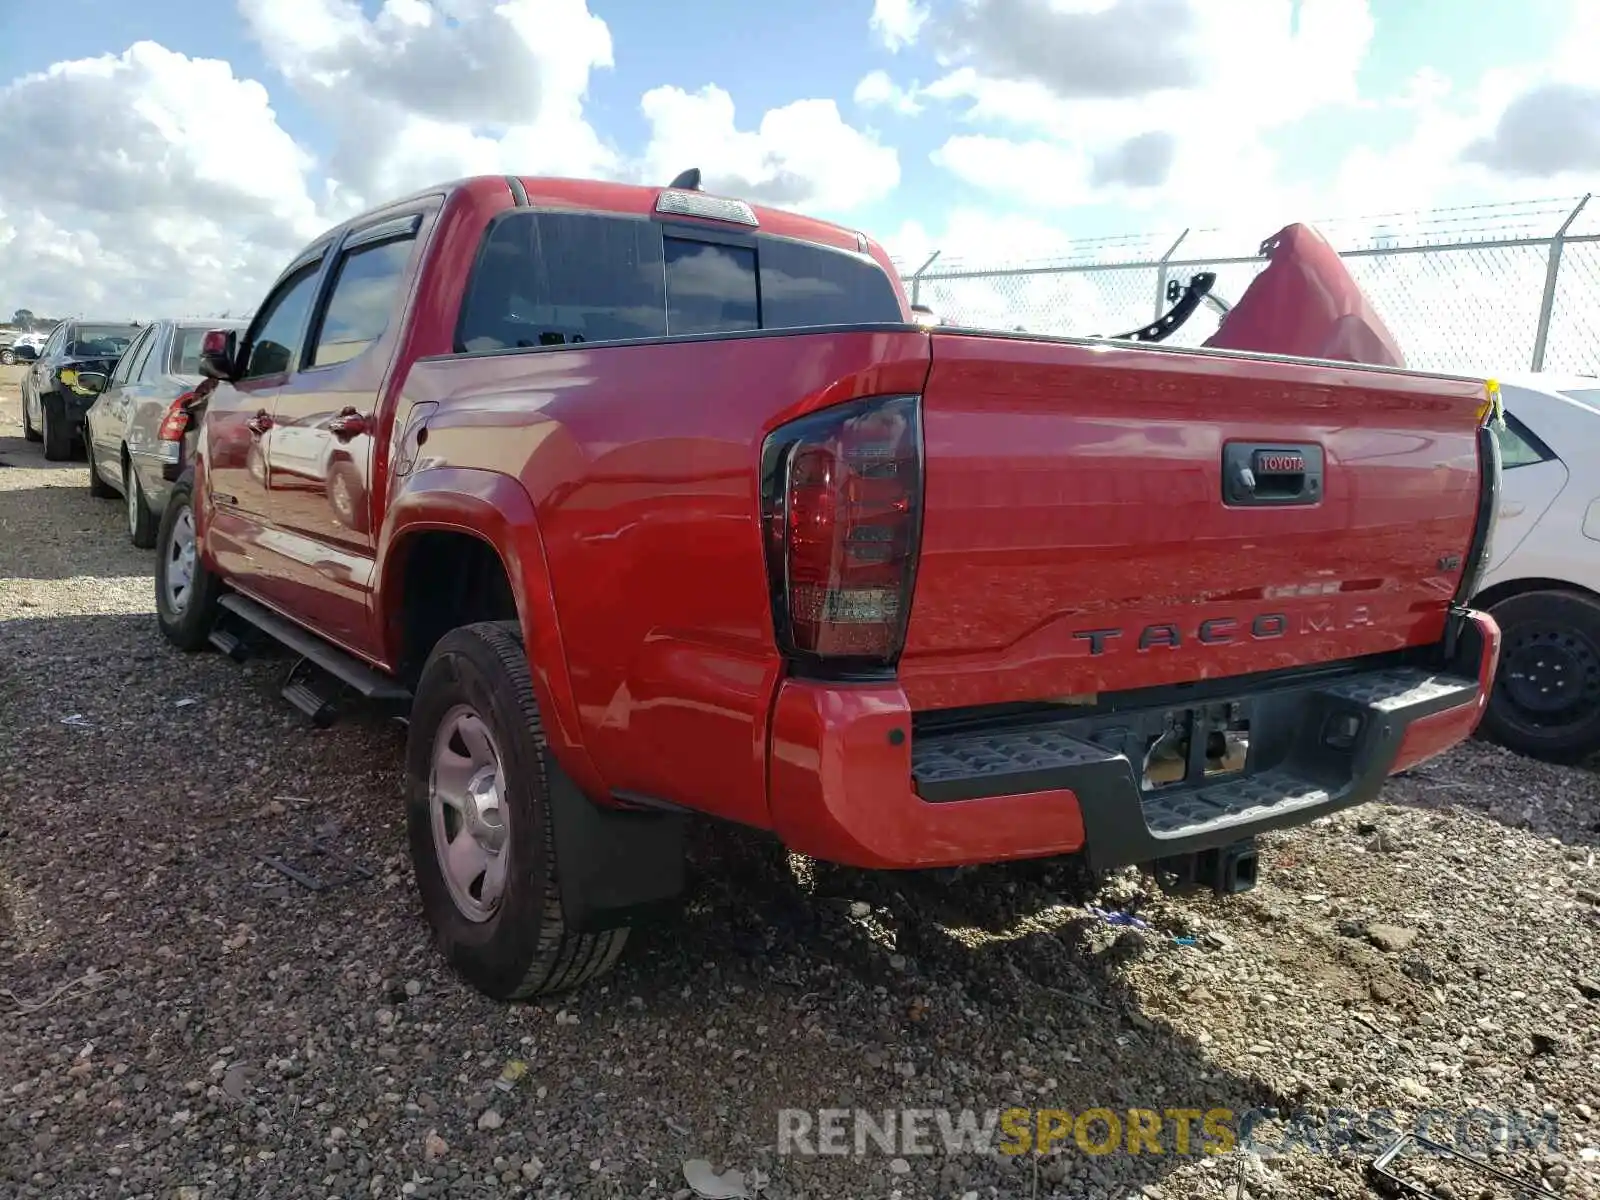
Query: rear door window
[[364, 292]]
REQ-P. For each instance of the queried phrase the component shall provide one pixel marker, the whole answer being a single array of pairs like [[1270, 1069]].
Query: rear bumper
[[850, 783]]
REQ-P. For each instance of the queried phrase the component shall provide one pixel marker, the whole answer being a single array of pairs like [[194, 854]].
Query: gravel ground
[[178, 1020]]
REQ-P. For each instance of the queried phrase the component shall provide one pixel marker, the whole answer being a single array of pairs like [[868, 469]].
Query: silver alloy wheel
[[471, 821], [130, 489], [180, 561]]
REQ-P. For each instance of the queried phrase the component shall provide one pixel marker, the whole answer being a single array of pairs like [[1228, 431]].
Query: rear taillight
[[176, 423], [841, 495]]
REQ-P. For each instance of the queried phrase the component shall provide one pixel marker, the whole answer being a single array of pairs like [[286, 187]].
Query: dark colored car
[[54, 398], [137, 434]]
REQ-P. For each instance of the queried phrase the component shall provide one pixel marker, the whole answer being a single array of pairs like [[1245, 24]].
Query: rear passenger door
[[238, 426], [325, 422], [41, 373]]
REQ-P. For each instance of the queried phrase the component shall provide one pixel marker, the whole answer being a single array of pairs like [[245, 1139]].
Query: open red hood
[[1306, 304]]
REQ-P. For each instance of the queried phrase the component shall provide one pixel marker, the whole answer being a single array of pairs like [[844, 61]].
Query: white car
[[24, 347], [1542, 582]]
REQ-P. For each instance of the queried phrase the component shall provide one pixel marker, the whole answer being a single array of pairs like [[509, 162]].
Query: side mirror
[[218, 351], [93, 382]]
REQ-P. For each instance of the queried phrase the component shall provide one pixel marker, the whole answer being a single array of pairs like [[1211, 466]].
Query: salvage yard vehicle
[[1542, 580], [138, 431], [24, 347], [54, 401], [670, 506]]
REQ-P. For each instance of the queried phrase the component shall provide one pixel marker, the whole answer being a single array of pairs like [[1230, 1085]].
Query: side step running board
[[230, 644], [343, 667], [311, 702]]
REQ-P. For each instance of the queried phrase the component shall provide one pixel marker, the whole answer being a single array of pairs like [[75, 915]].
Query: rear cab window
[[101, 341], [559, 279]]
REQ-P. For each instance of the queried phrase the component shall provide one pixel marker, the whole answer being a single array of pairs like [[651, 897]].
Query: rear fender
[[496, 509]]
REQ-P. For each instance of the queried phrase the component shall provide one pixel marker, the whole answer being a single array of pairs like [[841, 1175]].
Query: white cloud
[[434, 89], [877, 90], [187, 176], [1169, 98], [191, 196], [1550, 130], [803, 155], [897, 23]]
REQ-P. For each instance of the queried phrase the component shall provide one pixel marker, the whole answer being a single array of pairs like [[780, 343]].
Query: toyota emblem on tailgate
[[1280, 462]]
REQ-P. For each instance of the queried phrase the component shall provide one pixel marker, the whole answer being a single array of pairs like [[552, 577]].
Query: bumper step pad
[[1315, 748]]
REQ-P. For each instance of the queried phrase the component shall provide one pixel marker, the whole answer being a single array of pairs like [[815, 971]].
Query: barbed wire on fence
[[1491, 288]]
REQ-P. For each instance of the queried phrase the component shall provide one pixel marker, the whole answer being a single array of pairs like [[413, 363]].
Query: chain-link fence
[[1489, 289]]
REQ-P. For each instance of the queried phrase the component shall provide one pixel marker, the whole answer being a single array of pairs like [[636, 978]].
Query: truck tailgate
[[1077, 538]]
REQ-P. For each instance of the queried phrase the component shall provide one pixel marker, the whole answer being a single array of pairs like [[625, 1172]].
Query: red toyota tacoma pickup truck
[[641, 503]]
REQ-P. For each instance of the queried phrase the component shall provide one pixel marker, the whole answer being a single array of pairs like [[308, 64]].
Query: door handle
[[1512, 508], [259, 423], [1271, 475], [348, 424]]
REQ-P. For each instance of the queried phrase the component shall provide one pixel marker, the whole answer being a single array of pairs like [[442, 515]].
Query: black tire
[[142, 524], [188, 626], [523, 948], [98, 487], [55, 433], [1546, 699], [28, 431], [8, 356]]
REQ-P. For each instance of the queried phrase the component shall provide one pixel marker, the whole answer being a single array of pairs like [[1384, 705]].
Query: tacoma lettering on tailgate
[[1219, 631]]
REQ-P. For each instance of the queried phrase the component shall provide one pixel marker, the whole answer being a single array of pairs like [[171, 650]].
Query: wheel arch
[[1507, 588], [455, 507]]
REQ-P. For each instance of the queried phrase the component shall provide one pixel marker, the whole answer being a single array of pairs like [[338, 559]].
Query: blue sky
[[767, 55], [989, 150]]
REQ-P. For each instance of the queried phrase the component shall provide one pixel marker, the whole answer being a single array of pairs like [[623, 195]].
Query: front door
[[238, 427], [319, 461]]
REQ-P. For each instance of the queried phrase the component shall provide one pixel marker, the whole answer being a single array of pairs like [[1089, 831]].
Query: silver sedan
[[139, 431]]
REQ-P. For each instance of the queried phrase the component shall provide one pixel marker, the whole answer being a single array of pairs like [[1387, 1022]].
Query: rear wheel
[[142, 527], [7, 356], [54, 430], [31, 433], [1546, 699], [478, 808], [187, 594]]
